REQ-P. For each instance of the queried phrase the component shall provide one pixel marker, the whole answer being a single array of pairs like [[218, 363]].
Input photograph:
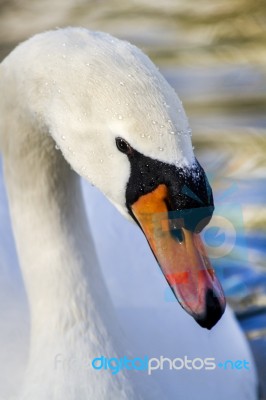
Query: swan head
[[122, 127]]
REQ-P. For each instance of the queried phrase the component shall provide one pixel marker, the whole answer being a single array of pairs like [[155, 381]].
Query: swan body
[[66, 96]]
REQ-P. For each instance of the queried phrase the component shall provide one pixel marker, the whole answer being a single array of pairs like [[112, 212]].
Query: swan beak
[[182, 258]]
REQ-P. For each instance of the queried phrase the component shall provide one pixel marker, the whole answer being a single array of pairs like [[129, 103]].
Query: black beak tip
[[214, 311]]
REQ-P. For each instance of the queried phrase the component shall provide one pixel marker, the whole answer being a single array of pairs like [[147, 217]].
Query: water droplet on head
[[63, 137], [161, 148], [154, 122], [122, 83], [142, 135], [120, 117], [172, 132], [57, 147]]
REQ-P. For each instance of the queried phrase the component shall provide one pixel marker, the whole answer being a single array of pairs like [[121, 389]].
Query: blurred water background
[[214, 55]]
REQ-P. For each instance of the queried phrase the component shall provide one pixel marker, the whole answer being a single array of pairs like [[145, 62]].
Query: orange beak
[[182, 258]]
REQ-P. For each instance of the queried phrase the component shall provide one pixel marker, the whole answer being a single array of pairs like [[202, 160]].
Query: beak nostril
[[177, 233]]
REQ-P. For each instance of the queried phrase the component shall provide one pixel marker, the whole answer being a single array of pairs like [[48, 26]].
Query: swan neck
[[55, 248]]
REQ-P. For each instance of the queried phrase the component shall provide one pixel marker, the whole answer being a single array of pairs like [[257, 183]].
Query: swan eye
[[123, 146]]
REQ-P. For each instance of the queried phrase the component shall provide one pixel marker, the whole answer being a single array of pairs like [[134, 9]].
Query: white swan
[[118, 124]]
